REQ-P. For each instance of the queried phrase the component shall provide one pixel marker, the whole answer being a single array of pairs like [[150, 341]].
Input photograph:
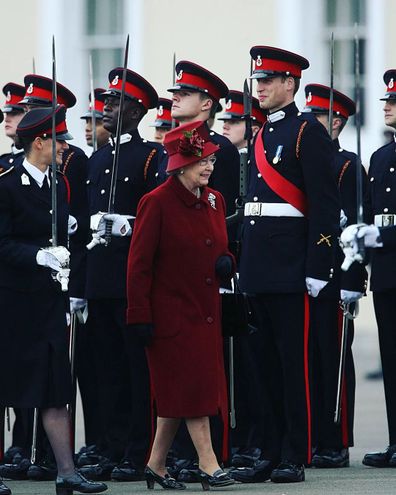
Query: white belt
[[384, 220], [271, 210]]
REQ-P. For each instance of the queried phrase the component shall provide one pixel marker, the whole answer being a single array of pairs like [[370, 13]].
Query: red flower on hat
[[191, 143]]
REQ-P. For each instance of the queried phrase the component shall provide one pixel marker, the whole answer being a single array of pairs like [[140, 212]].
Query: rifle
[[117, 145], [331, 102], [173, 83], [92, 103], [359, 181]]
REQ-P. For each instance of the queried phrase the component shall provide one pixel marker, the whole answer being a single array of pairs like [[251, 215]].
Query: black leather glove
[[223, 267], [142, 333]]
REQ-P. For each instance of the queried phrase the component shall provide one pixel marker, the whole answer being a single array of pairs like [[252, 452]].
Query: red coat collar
[[185, 195]]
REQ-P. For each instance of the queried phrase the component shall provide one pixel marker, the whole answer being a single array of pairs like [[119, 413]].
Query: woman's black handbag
[[235, 312]]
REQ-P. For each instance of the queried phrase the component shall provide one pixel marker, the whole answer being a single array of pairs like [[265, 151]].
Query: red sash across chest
[[279, 184]]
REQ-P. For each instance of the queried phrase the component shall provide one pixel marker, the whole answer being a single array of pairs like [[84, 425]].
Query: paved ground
[[370, 434]]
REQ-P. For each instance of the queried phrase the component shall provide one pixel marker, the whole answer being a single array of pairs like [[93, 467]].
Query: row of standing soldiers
[[302, 191]]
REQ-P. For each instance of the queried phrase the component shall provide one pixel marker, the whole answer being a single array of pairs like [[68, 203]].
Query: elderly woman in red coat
[[177, 258]]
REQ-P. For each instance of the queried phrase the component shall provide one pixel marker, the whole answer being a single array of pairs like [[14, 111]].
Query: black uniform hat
[[194, 77], [317, 99], [390, 80], [234, 109], [99, 104], [163, 118], [38, 123], [271, 62], [1, 117], [39, 92], [136, 87], [13, 93]]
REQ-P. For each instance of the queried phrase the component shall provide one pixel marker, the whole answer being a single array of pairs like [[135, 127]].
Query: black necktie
[[45, 186]]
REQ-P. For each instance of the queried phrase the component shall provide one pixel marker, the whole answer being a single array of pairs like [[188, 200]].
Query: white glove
[[350, 296], [77, 304], [56, 258], [343, 219], [72, 225], [314, 286], [371, 236], [120, 227]]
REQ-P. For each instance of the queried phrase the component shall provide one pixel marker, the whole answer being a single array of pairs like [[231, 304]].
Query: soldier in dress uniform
[[288, 245], [332, 440], [234, 127], [195, 96], [102, 135], [382, 181], [13, 112], [38, 94], [163, 120], [124, 409], [32, 284]]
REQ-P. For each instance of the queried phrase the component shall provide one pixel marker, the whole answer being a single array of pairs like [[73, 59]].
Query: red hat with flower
[[188, 144]]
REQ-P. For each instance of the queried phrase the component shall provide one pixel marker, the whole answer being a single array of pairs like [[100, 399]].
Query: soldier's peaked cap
[[38, 123], [196, 78], [271, 62], [163, 118], [99, 104], [390, 81], [39, 92], [13, 93], [136, 87], [234, 109], [317, 100]]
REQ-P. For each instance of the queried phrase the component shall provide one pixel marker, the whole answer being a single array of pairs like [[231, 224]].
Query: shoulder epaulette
[[5, 171]]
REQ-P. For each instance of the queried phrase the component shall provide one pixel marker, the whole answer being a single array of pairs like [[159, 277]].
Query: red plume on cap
[[188, 144]]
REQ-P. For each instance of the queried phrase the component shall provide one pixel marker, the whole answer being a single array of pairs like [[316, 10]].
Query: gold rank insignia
[[324, 238]]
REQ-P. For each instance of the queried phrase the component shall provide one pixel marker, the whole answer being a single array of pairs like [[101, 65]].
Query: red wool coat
[[171, 283]]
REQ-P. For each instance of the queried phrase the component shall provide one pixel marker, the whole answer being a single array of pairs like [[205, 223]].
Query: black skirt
[[34, 341]]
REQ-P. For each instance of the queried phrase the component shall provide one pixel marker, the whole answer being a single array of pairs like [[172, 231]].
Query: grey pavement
[[370, 434]]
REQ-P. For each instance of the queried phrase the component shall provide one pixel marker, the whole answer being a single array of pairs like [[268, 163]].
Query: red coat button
[[208, 242], [209, 319], [209, 281], [198, 206]]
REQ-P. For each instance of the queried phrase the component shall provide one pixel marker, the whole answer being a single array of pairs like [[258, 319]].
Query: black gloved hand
[[142, 333], [223, 267]]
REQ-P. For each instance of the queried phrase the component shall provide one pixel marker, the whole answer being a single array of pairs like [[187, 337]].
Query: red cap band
[[36, 92], [269, 64], [320, 102], [199, 82], [59, 129], [131, 90]]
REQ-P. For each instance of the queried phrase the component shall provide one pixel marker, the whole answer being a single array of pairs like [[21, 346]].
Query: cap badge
[[8, 98], [309, 97], [391, 83], [229, 104], [160, 110], [114, 82], [30, 89], [259, 62], [179, 75]]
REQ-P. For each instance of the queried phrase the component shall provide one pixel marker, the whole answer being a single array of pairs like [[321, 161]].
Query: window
[[341, 16]]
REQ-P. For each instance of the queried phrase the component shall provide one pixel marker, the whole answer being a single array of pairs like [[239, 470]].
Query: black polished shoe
[[167, 482], [259, 472], [380, 459], [90, 456], [331, 458], [15, 471], [180, 465], [44, 471], [127, 471], [245, 457], [98, 472], [288, 472], [217, 479], [4, 490], [65, 485], [11, 452]]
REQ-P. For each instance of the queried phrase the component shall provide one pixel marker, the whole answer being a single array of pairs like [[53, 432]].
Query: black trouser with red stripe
[[325, 329], [283, 320], [384, 305]]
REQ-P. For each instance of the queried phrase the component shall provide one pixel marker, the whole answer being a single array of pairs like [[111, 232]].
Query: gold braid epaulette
[[343, 170], [146, 165], [298, 143]]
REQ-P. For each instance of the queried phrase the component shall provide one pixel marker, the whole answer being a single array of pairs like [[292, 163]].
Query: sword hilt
[[108, 229]]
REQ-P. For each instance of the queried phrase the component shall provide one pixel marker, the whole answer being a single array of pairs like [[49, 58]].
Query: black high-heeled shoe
[[65, 485], [218, 478], [167, 482]]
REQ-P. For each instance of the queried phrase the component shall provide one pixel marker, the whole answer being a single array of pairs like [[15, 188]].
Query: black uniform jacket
[[74, 166], [137, 169], [8, 160], [382, 181], [278, 253], [25, 227]]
